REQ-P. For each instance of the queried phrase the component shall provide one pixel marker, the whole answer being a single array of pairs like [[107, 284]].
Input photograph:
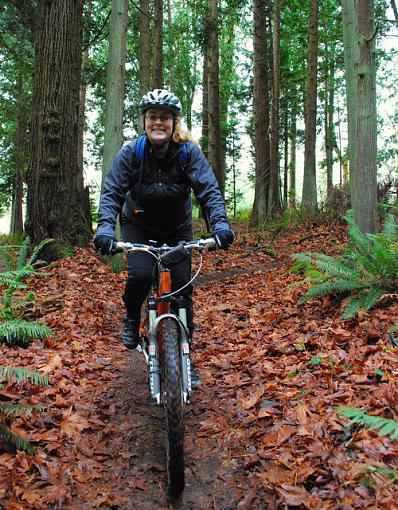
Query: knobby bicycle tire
[[173, 408]]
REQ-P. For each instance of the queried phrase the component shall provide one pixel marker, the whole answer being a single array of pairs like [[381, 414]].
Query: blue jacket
[[157, 194]]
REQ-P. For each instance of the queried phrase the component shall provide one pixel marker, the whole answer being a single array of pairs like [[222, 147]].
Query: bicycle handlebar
[[200, 244]]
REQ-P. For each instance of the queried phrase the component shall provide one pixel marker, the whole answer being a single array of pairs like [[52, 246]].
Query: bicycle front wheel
[[173, 407]]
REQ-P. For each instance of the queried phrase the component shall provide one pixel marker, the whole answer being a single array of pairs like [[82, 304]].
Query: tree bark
[[274, 202], [205, 103], [309, 183], [53, 201], [214, 144], [83, 191], [394, 8], [113, 138], [350, 59], [16, 224], [328, 115], [293, 145], [158, 46], [285, 155], [364, 189], [145, 48], [260, 114]]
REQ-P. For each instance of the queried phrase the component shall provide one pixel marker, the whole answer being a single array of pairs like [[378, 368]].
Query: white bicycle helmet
[[161, 97]]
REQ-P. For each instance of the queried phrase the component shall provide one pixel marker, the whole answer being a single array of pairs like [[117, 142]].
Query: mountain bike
[[164, 342]]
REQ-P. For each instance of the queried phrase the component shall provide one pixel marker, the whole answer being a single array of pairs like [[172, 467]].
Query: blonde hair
[[181, 135]]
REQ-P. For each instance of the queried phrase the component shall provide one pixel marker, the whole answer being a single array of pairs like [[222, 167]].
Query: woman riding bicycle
[[149, 185]]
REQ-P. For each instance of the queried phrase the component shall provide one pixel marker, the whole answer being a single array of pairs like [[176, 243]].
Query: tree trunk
[[83, 191], [205, 102], [328, 116], [350, 59], [145, 47], [394, 8], [214, 144], [16, 225], [274, 202], [158, 46], [260, 114], [53, 201], [309, 182], [364, 189], [113, 138], [285, 155], [293, 145]]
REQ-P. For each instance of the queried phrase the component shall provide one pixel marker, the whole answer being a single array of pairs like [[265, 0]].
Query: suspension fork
[[184, 351], [155, 347]]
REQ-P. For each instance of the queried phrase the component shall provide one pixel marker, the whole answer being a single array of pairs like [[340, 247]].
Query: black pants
[[140, 268]]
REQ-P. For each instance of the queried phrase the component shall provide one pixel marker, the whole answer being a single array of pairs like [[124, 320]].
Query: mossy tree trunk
[[53, 201], [158, 46], [145, 56], [274, 201], [309, 181], [16, 224], [115, 73], [214, 116], [364, 184], [261, 114]]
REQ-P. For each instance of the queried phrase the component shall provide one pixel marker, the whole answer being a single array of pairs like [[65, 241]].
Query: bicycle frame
[[158, 309]]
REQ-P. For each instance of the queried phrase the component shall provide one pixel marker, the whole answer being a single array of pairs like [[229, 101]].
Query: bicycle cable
[[190, 281]]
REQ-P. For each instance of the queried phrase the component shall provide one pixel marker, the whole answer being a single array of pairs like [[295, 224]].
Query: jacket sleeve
[[205, 187], [116, 186]]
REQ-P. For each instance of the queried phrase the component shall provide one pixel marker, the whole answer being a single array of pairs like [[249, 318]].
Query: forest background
[[273, 90]]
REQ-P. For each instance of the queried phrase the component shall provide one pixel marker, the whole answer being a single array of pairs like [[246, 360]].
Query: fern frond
[[23, 253], [329, 287], [385, 426], [38, 249], [15, 277], [19, 442], [6, 258], [9, 410], [353, 306], [390, 227], [23, 374], [23, 331], [390, 473]]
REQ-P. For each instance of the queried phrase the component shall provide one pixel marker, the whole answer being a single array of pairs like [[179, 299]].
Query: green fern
[[22, 375], [13, 278], [16, 330], [19, 442], [387, 472], [9, 410], [23, 253], [367, 270], [384, 426], [36, 252]]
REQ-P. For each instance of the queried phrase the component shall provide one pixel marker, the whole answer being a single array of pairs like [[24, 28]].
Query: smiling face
[[159, 125]]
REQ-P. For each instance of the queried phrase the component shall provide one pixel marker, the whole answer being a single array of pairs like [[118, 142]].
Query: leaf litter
[[261, 432]]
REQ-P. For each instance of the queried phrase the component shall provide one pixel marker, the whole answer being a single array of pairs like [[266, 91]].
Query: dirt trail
[[261, 432], [100, 442]]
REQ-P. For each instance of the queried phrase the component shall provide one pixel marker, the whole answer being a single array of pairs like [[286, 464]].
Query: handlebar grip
[[211, 243], [117, 247]]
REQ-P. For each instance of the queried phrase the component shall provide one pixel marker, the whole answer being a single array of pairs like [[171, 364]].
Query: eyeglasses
[[163, 117]]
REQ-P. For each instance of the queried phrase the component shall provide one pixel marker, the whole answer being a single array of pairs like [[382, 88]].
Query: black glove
[[224, 238], [104, 243]]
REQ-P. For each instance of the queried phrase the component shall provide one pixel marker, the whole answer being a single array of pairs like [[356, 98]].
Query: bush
[[367, 270], [9, 411], [13, 329]]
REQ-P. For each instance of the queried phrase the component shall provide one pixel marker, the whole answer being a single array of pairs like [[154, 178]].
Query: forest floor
[[261, 432]]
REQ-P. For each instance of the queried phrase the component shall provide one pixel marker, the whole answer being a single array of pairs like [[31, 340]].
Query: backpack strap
[[140, 149], [184, 156]]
